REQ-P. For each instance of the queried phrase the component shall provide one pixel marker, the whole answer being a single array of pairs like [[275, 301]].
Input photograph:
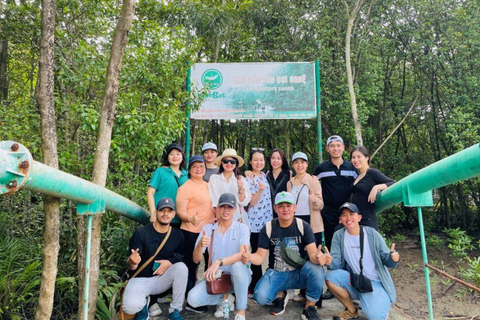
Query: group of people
[[303, 223]]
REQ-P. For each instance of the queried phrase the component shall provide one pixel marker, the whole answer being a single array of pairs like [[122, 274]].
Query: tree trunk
[[51, 206], [100, 165], [350, 76], [4, 34]]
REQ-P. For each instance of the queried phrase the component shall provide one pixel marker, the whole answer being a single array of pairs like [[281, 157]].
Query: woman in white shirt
[[229, 180]]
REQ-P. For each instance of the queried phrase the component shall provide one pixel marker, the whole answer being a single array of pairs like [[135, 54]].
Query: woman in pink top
[[194, 208]]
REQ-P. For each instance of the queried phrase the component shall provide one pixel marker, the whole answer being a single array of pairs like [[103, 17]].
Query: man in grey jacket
[[377, 258]]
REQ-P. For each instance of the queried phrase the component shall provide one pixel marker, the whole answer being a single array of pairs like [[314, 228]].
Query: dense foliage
[[401, 50]]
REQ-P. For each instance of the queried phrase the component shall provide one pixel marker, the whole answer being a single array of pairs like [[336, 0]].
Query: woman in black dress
[[279, 173], [369, 182]]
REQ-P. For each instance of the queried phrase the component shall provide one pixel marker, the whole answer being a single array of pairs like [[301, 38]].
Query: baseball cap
[[165, 203], [334, 138], [299, 155], [174, 146], [209, 146], [228, 199], [195, 158], [350, 206], [283, 196]]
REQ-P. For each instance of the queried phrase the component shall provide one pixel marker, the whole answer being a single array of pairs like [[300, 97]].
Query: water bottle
[[226, 309]]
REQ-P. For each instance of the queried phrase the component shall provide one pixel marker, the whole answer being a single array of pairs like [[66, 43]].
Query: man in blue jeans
[[376, 259], [281, 276]]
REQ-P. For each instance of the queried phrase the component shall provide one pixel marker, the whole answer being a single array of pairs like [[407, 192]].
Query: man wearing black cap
[[166, 270], [336, 177], [373, 261], [228, 239]]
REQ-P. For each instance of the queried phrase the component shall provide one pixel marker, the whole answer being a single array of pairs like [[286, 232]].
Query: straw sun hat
[[229, 153]]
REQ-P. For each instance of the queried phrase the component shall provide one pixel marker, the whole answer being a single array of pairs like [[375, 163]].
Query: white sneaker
[[219, 312], [239, 317], [154, 310], [298, 298], [166, 299]]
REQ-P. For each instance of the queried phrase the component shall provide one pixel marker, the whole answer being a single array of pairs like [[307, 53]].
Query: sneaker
[[154, 310], [175, 315], [310, 313], [239, 317], [200, 309], [280, 304], [167, 299], [299, 298], [327, 295], [219, 312], [348, 315]]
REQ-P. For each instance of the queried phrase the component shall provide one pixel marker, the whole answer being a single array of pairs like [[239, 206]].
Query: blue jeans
[[310, 276], [375, 304], [241, 277]]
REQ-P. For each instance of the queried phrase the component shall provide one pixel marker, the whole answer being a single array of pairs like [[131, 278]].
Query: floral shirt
[[262, 212]]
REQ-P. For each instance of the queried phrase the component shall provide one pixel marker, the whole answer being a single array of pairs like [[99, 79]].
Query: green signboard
[[273, 90]]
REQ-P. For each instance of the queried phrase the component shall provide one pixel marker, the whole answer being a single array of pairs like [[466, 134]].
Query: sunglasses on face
[[231, 161], [258, 149]]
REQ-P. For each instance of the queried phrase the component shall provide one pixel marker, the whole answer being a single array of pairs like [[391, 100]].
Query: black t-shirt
[[279, 184], [147, 240], [293, 240], [361, 190], [336, 183]]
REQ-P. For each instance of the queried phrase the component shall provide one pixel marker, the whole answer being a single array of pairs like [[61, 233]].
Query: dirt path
[[409, 281]]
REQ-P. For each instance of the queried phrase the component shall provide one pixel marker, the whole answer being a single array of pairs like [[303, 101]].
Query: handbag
[[290, 256], [219, 285], [359, 281], [121, 315]]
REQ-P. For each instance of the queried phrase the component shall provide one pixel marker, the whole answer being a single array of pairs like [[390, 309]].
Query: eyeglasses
[[227, 161], [258, 149]]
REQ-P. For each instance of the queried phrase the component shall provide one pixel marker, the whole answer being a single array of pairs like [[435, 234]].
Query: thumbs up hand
[[312, 197], [328, 257], [194, 219], [394, 254], [205, 240], [261, 185], [245, 258], [321, 258]]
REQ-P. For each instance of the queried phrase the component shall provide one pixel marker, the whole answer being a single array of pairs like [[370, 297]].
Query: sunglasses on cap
[[258, 149], [231, 161]]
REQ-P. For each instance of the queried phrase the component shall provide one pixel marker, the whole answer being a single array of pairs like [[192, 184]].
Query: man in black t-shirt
[[336, 177], [297, 235], [165, 271]]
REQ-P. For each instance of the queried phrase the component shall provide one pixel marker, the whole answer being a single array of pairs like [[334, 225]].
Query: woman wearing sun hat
[[229, 180]]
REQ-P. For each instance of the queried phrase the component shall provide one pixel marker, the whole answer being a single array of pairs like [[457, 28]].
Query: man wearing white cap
[[336, 177], [295, 262]]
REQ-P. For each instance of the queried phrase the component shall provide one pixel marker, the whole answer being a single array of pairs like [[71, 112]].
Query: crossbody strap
[[210, 249], [155, 254], [361, 249]]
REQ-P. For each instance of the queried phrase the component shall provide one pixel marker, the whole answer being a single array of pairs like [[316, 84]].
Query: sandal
[[345, 315]]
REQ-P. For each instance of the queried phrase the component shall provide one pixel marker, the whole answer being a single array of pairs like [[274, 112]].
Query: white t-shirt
[[352, 256], [301, 195]]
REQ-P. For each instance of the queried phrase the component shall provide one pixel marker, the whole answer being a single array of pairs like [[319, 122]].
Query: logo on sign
[[212, 79]]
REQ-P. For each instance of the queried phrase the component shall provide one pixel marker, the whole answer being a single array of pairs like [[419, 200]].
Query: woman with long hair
[[368, 184], [260, 209], [229, 180], [279, 173], [167, 179]]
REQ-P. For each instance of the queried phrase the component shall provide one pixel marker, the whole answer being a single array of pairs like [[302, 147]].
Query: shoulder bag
[[359, 281], [219, 285]]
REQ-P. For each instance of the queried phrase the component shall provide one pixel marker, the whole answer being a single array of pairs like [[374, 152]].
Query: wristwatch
[[221, 261]]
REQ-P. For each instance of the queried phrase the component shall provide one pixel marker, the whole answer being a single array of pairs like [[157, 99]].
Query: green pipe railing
[[415, 190], [19, 170]]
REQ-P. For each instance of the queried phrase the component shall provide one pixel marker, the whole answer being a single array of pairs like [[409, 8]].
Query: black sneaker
[[280, 304], [310, 313], [200, 309], [327, 295]]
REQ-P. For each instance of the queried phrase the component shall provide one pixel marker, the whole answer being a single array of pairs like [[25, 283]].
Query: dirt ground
[[409, 281]]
